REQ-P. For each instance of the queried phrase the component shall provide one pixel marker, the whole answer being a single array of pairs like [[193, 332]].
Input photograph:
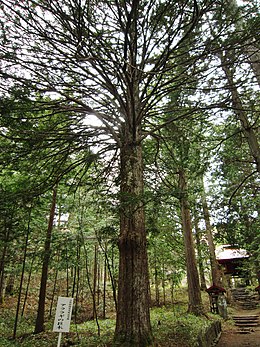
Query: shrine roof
[[227, 252]]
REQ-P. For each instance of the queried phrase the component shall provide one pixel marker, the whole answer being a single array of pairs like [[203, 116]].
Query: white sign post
[[62, 316]]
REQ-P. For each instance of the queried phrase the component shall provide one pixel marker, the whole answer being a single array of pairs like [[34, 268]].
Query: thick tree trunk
[[39, 325], [133, 326], [195, 302], [212, 256]]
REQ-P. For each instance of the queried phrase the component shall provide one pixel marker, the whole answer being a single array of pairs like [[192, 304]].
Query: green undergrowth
[[172, 326], [181, 329]]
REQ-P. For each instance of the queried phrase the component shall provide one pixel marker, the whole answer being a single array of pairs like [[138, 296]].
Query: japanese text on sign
[[63, 314]]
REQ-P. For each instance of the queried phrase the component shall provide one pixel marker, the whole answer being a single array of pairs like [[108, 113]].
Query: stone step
[[250, 306], [241, 322], [245, 298], [245, 319], [244, 331], [245, 323], [248, 324]]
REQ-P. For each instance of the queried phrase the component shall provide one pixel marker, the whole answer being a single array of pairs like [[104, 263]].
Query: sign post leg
[[59, 340]]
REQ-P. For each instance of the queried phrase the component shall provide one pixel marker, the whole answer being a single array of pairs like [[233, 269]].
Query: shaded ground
[[231, 337]]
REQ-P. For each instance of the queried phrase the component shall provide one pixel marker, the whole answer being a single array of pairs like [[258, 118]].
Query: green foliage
[[169, 325], [43, 140], [236, 202]]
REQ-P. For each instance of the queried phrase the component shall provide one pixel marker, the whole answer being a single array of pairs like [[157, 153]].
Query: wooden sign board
[[63, 315]]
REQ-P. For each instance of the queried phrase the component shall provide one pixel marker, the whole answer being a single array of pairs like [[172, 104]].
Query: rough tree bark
[[133, 326], [140, 50]]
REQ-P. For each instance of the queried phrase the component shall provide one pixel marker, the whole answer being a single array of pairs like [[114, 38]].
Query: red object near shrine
[[214, 291]]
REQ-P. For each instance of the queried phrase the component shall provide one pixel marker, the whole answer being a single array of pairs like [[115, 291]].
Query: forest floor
[[172, 326], [233, 337]]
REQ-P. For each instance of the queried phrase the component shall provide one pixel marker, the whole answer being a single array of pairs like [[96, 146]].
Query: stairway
[[245, 298], [246, 323]]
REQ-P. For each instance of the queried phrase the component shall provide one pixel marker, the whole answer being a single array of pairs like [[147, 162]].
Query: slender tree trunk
[[39, 325], [77, 299], [2, 273], [200, 258], [157, 292], [195, 302], [99, 275], [110, 269], [247, 128], [2, 264], [78, 278], [22, 275], [54, 287], [74, 275], [163, 284], [9, 289], [212, 256], [104, 286], [28, 283], [113, 275], [172, 291], [133, 326], [67, 269], [95, 272], [90, 287]]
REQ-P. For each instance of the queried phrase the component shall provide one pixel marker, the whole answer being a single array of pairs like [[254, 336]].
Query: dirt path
[[232, 337]]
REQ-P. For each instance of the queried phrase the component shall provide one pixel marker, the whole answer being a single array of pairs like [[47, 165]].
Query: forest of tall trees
[[129, 149]]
